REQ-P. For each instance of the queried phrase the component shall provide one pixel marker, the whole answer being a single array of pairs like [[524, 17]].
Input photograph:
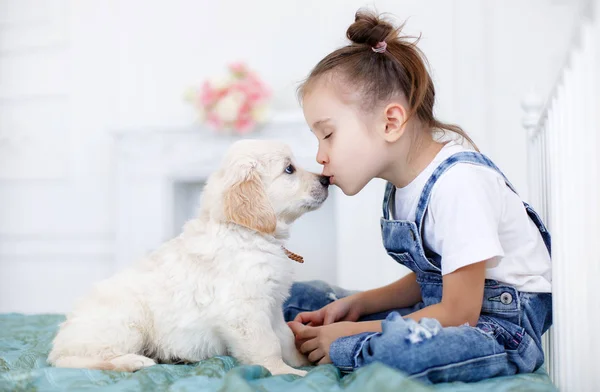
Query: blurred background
[[102, 158]]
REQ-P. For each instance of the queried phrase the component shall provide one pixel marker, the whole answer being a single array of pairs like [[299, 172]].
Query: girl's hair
[[378, 77]]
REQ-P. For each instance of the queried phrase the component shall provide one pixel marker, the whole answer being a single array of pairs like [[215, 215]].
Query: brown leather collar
[[293, 256]]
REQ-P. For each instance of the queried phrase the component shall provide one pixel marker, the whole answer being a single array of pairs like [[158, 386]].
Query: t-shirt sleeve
[[466, 207]]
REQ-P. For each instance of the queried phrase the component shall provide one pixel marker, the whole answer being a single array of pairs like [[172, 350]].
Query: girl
[[478, 298]]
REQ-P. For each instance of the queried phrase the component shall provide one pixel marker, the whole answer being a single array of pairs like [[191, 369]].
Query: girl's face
[[351, 152]]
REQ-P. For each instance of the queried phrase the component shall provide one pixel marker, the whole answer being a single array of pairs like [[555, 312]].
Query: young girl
[[478, 298]]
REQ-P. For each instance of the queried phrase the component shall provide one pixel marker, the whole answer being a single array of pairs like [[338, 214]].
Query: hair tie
[[380, 47]]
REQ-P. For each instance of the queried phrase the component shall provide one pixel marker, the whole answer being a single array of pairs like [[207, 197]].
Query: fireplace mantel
[[153, 165]]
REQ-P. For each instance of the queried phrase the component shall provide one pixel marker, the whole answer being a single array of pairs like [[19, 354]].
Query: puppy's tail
[[83, 363]]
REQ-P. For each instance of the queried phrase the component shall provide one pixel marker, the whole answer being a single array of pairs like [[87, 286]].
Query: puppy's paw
[[297, 359], [287, 370], [131, 362]]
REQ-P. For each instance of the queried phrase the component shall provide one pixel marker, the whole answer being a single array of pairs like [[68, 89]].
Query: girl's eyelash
[[327, 137]]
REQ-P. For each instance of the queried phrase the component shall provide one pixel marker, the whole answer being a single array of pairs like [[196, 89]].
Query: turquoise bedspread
[[25, 343]]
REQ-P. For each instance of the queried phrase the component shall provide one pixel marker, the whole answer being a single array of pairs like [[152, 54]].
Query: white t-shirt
[[474, 216]]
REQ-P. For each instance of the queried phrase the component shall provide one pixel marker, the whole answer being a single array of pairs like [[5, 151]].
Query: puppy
[[217, 288]]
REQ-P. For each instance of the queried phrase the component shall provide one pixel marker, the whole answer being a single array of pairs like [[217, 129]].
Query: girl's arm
[[462, 298], [402, 293]]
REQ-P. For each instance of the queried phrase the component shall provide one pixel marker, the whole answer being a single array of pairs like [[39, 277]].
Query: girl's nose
[[322, 157]]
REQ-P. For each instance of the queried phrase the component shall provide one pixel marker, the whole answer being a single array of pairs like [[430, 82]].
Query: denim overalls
[[506, 340]]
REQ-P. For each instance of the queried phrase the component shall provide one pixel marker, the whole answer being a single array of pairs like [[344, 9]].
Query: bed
[[25, 342]]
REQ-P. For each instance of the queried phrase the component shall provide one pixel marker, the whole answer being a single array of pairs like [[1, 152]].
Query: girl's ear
[[394, 124]]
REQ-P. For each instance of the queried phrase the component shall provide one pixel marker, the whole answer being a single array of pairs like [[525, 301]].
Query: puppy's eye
[[290, 169]]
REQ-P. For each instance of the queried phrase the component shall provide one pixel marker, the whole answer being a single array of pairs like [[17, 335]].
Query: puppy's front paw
[[299, 372], [287, 370], [297, 359]]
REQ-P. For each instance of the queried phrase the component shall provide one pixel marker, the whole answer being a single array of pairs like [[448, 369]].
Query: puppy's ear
[[245, 203]]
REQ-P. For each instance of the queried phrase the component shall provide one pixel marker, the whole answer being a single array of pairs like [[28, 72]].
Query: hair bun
[[368, 28]]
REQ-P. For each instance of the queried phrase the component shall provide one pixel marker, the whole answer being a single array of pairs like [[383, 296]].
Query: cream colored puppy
[[217, 288]]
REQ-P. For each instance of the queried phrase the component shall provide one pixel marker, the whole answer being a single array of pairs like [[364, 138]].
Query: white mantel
[[159, 170]]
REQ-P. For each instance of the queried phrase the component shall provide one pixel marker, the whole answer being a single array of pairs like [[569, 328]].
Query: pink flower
[[214, 121], [244, 125], [207, 94], [244, 122], [232, 101]]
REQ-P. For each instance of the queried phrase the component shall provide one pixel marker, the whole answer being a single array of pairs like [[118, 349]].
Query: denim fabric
[[506, 340]]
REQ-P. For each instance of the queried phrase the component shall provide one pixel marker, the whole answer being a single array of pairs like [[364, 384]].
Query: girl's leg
[[430, 353], [311, 295]]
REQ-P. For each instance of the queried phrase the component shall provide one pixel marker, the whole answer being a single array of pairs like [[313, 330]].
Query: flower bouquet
[[235, 103]]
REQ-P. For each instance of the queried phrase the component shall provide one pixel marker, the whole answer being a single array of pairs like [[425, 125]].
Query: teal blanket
[[25, 342]]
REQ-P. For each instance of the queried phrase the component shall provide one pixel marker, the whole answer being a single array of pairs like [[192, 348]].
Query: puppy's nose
[[324, 180]]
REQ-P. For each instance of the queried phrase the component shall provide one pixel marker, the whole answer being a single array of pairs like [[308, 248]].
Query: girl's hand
[[317, 340], [345, 309]]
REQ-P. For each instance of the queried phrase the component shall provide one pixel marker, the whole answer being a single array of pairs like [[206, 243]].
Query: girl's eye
[[327, 137], [290, 169]]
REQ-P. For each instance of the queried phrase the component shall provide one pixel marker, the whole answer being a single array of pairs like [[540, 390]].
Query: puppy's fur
[[216, 289]]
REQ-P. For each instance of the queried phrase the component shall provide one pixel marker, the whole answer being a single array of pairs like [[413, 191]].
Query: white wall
[[72, 71]]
